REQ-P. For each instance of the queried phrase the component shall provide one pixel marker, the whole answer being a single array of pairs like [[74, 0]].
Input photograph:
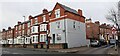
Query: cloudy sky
[[13, 11]]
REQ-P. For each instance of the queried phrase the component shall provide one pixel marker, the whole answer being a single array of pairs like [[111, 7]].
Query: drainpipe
[[65, 30]]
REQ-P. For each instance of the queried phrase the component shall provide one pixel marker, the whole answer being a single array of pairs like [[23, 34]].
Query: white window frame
[[58, 37], [44, 18], [74, 24], [28, 31], [43, 27], [16, 27], [36, 20], [43, 38], [35, 39], [28, 24], [23, 32], [19, 27], [33, 29], [23, 26], [57, 13]]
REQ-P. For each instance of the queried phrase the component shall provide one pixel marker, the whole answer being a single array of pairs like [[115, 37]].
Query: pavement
[[70, 50], [78, 50], [112, 51]]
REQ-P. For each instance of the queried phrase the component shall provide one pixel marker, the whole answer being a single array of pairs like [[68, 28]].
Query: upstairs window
[[28, 31], [74, 24], [33, 29], [29, 24], [16, 28], [88, 26], [23, 26], [19, 27], [58, 25], [44, 18], [57, 13], [36, 21], [23, 32], [43, 27]]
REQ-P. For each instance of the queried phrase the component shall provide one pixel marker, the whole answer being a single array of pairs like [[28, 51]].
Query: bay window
[[43, 27], [35, 39], [34, 29], [42, 37]]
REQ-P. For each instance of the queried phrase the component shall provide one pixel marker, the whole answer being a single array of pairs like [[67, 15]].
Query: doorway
[[53, 38]]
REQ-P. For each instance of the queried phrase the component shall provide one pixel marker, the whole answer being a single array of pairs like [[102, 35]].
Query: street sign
[[114, 30]]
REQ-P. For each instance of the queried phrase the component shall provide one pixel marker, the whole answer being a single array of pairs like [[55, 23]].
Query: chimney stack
[[97, 22], [45, 10], [9, 28], [19, 22], [80, 12], [30, 17], [3, 29]]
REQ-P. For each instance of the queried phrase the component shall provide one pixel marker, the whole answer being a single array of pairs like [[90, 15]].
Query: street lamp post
[[24, 33]]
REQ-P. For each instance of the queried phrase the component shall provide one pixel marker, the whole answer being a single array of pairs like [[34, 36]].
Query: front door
[[53, 38]]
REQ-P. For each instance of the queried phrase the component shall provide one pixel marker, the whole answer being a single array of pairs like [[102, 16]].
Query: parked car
[[112, 41], [103, 42], [95, 43]]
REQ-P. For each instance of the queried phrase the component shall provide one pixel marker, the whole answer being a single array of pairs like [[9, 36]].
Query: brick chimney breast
[[80, 12], [45, 10]]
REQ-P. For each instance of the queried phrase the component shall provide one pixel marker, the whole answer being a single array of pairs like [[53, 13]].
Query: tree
[[114, 16]]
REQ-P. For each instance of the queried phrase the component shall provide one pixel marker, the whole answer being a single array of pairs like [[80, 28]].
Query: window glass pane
[[57, 13]]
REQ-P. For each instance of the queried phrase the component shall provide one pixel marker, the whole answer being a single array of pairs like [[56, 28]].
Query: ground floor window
[[42, 37], [35, 39], [27, 40]]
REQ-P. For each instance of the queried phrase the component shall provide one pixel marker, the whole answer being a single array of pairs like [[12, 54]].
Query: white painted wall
[[74, 37], [54, 30]]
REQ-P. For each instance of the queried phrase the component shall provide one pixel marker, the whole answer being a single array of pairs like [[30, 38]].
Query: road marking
[[6, 52]]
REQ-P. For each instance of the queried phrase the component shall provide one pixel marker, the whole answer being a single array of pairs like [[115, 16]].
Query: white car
[[112, 41], [95, 43]]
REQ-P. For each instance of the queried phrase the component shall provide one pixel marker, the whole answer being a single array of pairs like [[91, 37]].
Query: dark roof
[[42, 14], [69, 9]]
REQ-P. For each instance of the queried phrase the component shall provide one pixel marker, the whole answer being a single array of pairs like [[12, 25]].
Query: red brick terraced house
[[63, 27], [39, 29], [96, 31], [4, 35]]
